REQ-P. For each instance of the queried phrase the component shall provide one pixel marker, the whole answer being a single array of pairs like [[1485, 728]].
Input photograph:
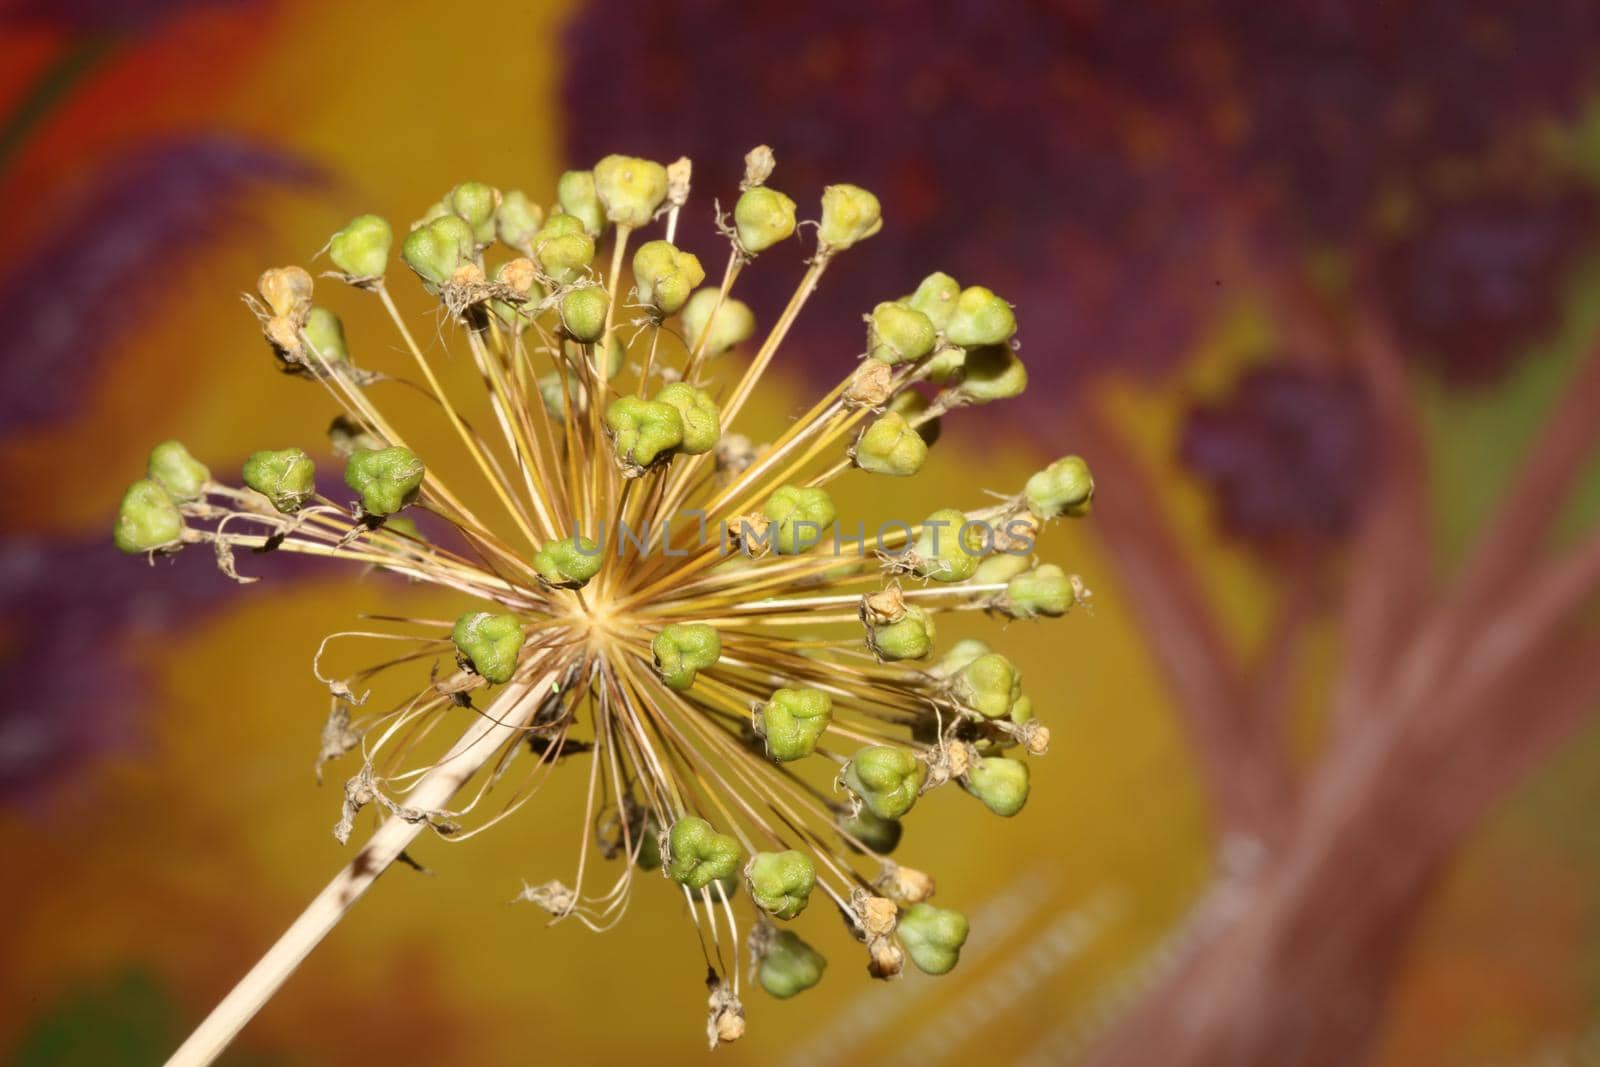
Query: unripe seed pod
[[850, 214], [958, 656], [702, 425], [287, 477], [800, 515], [387, 478], [698, 855], [933, 937], [569, 562], [630, 189], [890, 446], [793, 721], [789, 966], [1045, 590], [175, 470], [361, 249], [911, 637], [762, 217], [642, 430], [575, 192], [991, 373], [1001, 783], [913, 405], [325, 334], [898, 334], [886, 779], [880, 836], [665, 275], [781, 882], [936, 298], [517, 221], [948, 548], [489, 644], [980, 318], [147, 520], [435, 249], [734, 323], [583, 313], [563, 249], [1064, 488], [682, 650], [1000, 567], [475, 204], [989, 685]]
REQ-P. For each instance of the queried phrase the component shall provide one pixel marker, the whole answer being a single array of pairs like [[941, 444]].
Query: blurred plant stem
[[78, 58]]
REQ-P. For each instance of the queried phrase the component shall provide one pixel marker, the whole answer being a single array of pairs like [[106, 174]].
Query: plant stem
[[489, 731]]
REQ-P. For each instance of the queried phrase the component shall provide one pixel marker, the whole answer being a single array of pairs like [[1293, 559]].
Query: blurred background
[[1314, 287]]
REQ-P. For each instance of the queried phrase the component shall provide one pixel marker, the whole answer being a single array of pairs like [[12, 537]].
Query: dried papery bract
[[649, 599]]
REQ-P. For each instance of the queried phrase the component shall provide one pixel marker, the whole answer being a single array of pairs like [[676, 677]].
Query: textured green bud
[[933, 937], [881, 836], [698, 854], [887, 779], [583, 313], [1000, 567], [1064, 488], [175, 470], [569, 562], [682, 650], [386, 478], [936, 298], [702, 425], [475, 204], [762, 217], [665, 275], [147, 520], [361, 249], [1045, 590], [325, 334], [794, 720], [517, 221], [898, 334], [849, 214], [789, 966], [800, 515], [630, 189], [781, 882], [733, 325], [891, 446], [436, 249], [946, 365], [563, 249], [490, 643], [911, 404], [910, 638], [943, 552], [1001, 783], [642, 430], [286, 477], [980, 318], [992, 373], [575, 193], [990, 685], [959, 655]]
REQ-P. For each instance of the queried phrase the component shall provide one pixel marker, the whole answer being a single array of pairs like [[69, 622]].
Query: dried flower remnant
[[607, 630]]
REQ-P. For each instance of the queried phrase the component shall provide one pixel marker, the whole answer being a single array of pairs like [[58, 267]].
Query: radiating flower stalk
[[755, 686]]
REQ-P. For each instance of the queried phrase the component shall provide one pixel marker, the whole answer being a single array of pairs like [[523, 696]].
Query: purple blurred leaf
[[66, 303]]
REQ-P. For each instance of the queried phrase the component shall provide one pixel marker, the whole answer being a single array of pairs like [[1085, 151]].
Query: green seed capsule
[[936, 298], [891, 446], [287, 477], [762, 218], [1064, 488], [489, 643], [989, 685], [699, 855], [361, 249], [665, 275], [563, 249], [642, 430], [886, 779], [912, 404], [147, 520], [734, 323], [992, 373], [175, 470], [959, 655], [794, 720], [898, 334], [932, 937], [880, 836], [517, 221], [948, 548], [682, 650], [980, 318], [576, 195], [386, 478], [630, 189], [789, 966], [569, 562], [475, 204], [583, 313], [849, 214], [781, 882], [911, 637], [1001, 783], [1000, 567], [800, 515], [702, 425], [1045, 590], [946, 366], [437, 249], [325, 334]]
